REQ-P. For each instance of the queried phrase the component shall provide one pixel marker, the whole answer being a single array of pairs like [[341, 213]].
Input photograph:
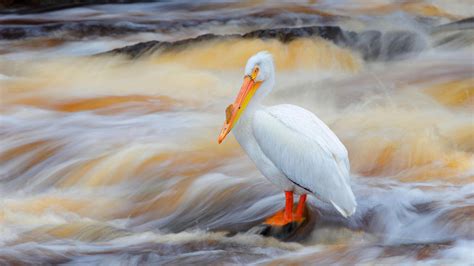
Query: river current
[[112, 157]]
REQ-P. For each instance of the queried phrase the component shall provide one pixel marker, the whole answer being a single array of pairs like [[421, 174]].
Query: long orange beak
[[234, 110]]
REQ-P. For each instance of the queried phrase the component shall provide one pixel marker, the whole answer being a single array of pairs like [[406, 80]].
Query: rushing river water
[[109, 158]]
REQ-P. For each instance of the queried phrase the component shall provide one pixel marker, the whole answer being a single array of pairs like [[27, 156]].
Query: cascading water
[[110, 157]]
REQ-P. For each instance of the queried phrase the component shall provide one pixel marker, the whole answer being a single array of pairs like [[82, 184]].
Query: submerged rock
[[284, 35], [71, 30], [91, 23], [146, 48], [373, 45], [454, 35], [294, 231]]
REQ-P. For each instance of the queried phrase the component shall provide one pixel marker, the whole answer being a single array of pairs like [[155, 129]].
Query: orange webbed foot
[[288, 215]]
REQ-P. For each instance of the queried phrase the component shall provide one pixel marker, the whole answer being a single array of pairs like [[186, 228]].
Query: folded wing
[[307, 152]]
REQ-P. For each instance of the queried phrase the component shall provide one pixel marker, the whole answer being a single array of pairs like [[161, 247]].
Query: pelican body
[[290, 146]]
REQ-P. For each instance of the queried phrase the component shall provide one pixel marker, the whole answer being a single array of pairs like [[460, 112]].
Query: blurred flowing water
[[107, 159]]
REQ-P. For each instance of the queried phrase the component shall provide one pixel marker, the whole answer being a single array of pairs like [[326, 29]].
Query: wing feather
[[307, 152]]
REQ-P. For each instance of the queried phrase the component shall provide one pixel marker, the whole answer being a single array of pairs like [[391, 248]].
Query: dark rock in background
[[373, 45], [39, 6], [454, 35], [72, 30], [286, 35]]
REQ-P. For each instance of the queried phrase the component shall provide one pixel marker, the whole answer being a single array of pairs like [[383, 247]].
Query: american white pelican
[[289, 145]]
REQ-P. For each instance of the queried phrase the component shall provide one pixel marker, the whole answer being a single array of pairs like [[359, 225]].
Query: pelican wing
[[307, 152]]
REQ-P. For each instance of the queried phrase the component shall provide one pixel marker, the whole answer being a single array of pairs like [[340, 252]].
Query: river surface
[[109, 159]]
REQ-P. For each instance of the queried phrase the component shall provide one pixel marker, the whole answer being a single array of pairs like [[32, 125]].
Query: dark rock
[[286, 35], [382, 46], [12, 33], [41, 6], [290, 232], [373, 45], [459, 34], [137, 50], [146, 48], [368, 43], [399, 43], [87, 27], [71, 30], [463, 24]]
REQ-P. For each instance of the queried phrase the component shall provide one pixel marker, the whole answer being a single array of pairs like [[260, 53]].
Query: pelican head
[[259, 77]]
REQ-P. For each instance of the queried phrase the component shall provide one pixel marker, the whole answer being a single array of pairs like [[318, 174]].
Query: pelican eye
[[255, 71]]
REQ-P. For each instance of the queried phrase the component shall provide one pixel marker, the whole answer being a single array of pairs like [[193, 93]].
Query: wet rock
[[290, 232], [373, 45], [146, 48], [286, 35], [418, 251], [137, 50], [92, 27], [368, 43], [397, 43], [427, 207], [463, 24], [40, 6], [460, 221], [383, 46], [286, 232], [12, 33], [454, 35], [72, 30]]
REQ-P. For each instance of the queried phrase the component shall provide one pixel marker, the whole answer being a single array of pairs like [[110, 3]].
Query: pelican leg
[[288, 206], [284, 216], [288, 223], [300, 208]]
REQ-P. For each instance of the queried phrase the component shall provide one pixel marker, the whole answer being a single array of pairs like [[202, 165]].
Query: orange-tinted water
[[106, 159]]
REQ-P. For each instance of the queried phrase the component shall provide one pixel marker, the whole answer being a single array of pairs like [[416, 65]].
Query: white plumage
[[292, 147]]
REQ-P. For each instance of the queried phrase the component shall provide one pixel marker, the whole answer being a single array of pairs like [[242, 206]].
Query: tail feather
[[346, 203], [345, 212]]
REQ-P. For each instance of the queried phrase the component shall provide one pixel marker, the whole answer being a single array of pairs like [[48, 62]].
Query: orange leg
[[289, 205], [284, 216], [300, 208]]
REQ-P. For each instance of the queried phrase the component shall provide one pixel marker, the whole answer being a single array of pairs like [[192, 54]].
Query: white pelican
[[290, 146]]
